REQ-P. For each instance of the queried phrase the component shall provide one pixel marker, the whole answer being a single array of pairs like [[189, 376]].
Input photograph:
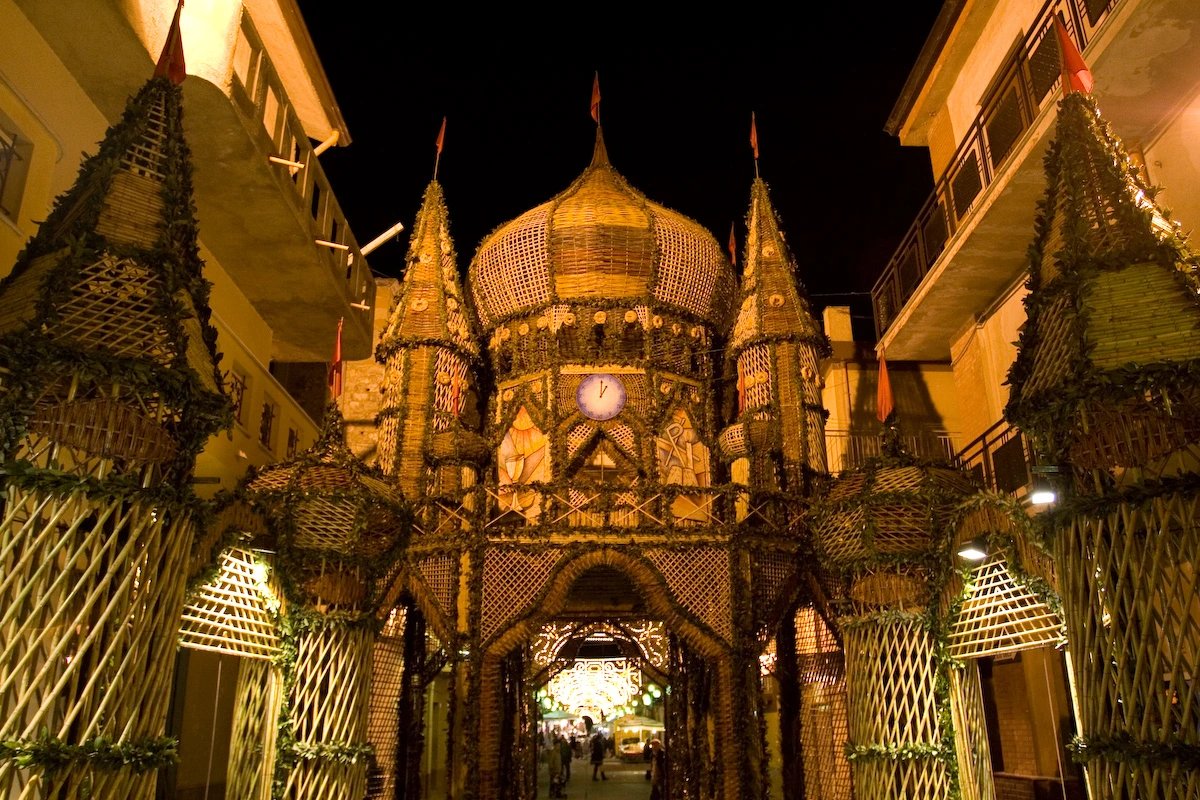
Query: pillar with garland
[[1107, 382], [338, 528], [109, 388]]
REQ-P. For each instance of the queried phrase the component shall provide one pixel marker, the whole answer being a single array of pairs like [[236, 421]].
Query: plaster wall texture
[[362, 381], [1173, 162], [981, 356]]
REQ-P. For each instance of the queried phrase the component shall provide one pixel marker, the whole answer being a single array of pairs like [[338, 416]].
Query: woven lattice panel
[[1055, 351], [1141, 313], [891, 672], [1001, 615], [970, 734], [600, 242], [1135, 433], [234, 613], [383, 730], [330, 706], [102, 581], [510, 270], [770, 572], [692, 271], [754, 377], [699, 579], [824, 720], [113, 307], [637, 391], [19, 303], [438, 574], [252, 743], [450, 388], [105, 428], [511, 579], [1130, 594]]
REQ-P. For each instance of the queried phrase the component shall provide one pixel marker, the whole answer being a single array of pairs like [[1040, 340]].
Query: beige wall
[[362, 381], [981, 357], [1173, 162]]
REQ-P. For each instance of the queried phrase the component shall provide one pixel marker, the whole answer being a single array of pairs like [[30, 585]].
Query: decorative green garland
[[51, 755]]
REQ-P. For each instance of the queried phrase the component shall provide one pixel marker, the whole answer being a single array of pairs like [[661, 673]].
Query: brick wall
[[361, 381]]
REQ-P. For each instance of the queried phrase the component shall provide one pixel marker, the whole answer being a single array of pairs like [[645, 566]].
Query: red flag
[[1076, 75], [732, 244], [754, 135], [884, 403], [596, 98], [335, 368], [170, 62], [441, 140]]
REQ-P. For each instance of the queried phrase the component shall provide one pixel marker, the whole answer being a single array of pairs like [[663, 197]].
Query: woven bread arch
[[438, 573], [511, 580], [699, 579], [1000, 615], [107, 428]]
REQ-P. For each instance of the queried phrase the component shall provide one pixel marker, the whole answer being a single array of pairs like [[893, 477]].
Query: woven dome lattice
[[600, 239]]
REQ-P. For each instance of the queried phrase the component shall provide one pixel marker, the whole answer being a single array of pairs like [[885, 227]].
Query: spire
[[774, 304], [1112, 285], [429, 308], [114, 272], [600, 152]]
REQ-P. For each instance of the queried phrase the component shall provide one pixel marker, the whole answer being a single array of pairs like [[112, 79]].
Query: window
[[15, 153], [235, 384], [293, 443], [243, 59], [266, 428], [271, 113]]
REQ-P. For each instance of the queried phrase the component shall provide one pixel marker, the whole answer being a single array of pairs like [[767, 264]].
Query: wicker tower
[[429, 422], [885, 531], [774, 350], [338, 528], [108, 390], [1106, 381]]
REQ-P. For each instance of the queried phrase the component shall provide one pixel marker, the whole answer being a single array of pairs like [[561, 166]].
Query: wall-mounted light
[[1042, 495], [974, 550], [1042, 492]]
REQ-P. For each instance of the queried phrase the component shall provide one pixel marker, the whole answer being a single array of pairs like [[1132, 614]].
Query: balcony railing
[[1023, 87], [846, 451], [1001, 458]]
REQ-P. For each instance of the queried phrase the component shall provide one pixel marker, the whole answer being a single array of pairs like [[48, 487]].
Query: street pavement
[[625, 781]]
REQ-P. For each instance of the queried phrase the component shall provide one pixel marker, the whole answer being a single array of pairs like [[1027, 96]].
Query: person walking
[[658, 769], [554, 767], [564, 749], [598, 748]]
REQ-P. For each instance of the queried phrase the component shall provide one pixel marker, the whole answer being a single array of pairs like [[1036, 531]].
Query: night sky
[[676, 113]]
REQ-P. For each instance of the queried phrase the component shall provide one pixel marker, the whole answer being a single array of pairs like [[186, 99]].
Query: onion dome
[[338, 524], [111, 291], [429, 308], [1106, 363], [599, 240]]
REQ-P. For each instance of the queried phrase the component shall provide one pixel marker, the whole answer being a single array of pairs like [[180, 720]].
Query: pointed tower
[[1106, 382], [430, 350], [108, 389], [777, 441]]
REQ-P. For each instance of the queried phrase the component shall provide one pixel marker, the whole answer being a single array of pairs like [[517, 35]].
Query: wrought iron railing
[[1002, 459], [1023, 87], [8, 161], [844, 451]]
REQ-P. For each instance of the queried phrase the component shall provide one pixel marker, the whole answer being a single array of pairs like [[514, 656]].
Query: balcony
[[968, 244], [846, 451], [1001, 459], [260, 219], [1024, 87]]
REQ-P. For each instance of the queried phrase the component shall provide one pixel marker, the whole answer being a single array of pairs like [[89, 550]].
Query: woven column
[[252, 746], [1105, 381], [108, 390]]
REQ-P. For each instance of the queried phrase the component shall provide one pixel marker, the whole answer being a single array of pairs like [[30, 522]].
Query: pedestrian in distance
[[658, 769], [598, 748], [564, 749]]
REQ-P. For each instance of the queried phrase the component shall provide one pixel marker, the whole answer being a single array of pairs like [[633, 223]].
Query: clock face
[[600, 396]]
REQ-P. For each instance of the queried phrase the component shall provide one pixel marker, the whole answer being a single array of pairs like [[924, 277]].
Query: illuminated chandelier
[[596, 685]]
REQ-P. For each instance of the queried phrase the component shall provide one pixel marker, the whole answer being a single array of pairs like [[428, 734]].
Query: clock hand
[[603, 386]]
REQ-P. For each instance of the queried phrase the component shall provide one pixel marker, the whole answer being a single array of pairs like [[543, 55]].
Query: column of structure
[[1107, 380], [108, 390]]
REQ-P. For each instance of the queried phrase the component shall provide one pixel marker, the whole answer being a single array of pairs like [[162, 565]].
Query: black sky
[[676, 112]]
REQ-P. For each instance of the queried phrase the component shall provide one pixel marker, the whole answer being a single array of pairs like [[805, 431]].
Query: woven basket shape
[[237, 517], [511, 580], [970, 734], [1141, 314], [985, 521], [699, 578], [332, 585], [231, 614], [887, 588], [600, 239], [1130, 595], [890, 675], [133, 207], [330, 704], [101, 581], [769, 575], [898, 528], [19, 302], [383, 732], [252, 742], [824, 717], [754, 374], [1135, 433], [105, 428], [1000, 615]]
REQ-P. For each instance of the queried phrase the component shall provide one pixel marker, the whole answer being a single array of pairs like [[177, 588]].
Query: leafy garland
[[1123, 748], [51, 755]]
